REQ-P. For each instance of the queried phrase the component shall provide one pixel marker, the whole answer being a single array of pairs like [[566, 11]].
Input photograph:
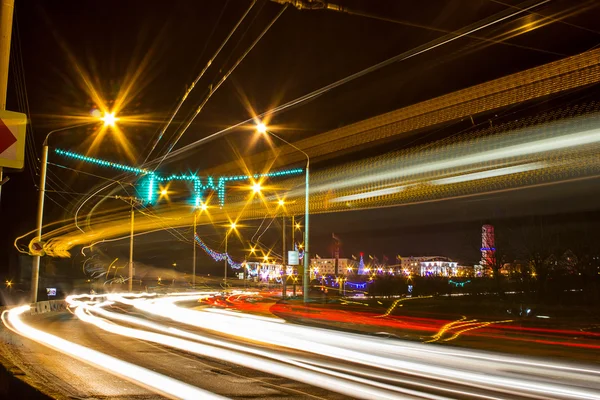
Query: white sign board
[[293, 258], [12, 139]]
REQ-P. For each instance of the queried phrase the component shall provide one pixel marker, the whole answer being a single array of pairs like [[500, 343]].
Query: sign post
[[12, 139]]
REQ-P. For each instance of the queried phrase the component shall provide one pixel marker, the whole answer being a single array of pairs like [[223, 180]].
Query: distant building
[[326, 266]]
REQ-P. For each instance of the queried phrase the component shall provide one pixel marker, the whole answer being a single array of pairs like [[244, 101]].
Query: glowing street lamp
[[35, 272], [256, 187], [262, 128], [109, 119]]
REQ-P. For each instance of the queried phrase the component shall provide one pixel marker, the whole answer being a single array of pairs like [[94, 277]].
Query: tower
[[488, 246]]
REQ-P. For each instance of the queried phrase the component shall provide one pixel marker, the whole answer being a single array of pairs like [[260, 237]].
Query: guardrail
[[42, 307]]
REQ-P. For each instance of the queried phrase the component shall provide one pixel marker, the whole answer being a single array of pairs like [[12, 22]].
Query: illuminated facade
[[438, 266], [326, 266]]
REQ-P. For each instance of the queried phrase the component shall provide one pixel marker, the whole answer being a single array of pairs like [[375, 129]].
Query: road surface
[[172, 346]]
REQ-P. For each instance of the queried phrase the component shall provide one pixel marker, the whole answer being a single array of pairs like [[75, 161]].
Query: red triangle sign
[[7, 138]]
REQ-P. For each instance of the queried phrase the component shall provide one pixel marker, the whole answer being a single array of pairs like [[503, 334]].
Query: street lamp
[[281, 204], [202, 207], [35, 272], [109, 119], [262, 128], [232, 227]]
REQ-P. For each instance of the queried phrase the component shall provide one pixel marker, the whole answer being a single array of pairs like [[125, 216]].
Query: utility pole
[[194, 256], [284, 269], [6, 20], [225, 271], [131, 248]]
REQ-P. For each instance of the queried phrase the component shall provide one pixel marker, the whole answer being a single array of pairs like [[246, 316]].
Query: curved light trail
[[141, 376], [352, 364], [518, 158]]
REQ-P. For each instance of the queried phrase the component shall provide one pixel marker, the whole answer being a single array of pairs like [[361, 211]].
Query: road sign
[[36, 248], [293, 258], [12, 139]]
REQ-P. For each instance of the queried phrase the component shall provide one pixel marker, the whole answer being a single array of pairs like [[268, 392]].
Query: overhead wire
[[463, 32], [200, 75], [497, 18], [18, 72], [218, 85], [551, 18]]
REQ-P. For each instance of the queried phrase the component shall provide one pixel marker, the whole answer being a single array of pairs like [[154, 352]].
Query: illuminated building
[[438, 266], [326, 266]]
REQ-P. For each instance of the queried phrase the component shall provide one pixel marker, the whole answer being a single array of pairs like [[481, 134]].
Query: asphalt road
[[236, 355], [66, 377]]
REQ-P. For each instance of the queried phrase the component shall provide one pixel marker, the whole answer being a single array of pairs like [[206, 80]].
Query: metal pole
[[225, 272], [194, 256], [284, 269], [6, 20], [306, 275], [35, 270], [131, 250]]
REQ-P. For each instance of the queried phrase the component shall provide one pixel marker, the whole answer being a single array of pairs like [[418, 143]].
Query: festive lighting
[[102, 163], [200, 184], [216, 255], [281, 202]]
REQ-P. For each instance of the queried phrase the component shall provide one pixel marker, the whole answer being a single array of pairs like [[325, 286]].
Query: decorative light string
[[216, 255], [148, 189]]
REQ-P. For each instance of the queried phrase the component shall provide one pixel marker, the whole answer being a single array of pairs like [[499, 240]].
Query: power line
[[218, 85], [463, 32], [189, 90]]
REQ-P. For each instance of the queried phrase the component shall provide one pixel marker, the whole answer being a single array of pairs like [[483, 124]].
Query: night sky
[[168, 43]]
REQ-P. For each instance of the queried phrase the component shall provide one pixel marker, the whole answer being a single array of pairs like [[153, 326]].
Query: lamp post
[[262, 128], [231, 227], [202, 207], [108, 119], [281, 204], [194, 255]]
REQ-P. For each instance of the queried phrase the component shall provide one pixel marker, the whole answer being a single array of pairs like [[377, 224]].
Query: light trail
[[349, 385], [392, 363], [561, 152], [344, 347], [141, 376]]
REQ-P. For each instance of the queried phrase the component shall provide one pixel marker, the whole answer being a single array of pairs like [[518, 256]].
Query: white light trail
[[489, 174], [142, 376], [349, 347], [377, 369], [372, 193], [508, 149], [364, 389]]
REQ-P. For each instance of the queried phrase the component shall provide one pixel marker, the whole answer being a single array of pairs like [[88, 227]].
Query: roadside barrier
[[42, 307]]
